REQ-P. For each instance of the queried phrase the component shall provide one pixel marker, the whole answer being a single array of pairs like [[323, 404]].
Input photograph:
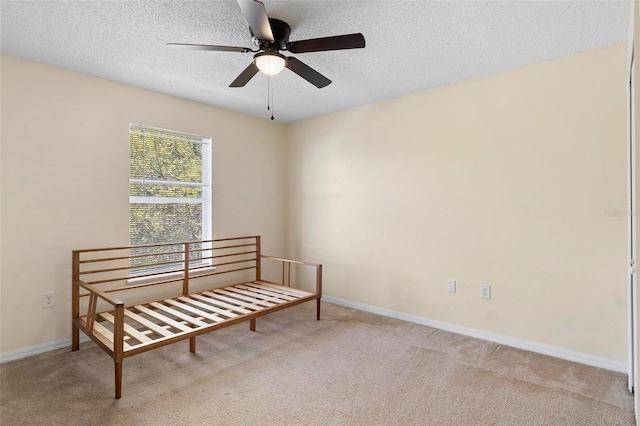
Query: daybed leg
[[75, 338], [318, 309], [192, 345], [252, 324], [118, 366]]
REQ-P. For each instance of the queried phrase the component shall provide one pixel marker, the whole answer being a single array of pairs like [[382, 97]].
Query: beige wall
[[64, 177], [502, 180]]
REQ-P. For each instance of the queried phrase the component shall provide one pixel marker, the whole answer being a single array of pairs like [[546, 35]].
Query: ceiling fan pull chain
[[271, 105], [268, 89]]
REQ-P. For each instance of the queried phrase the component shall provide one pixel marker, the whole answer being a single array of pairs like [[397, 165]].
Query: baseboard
[[39, 349], [565, 354]]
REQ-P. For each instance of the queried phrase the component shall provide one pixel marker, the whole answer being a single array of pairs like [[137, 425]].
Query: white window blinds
[[169, 188]]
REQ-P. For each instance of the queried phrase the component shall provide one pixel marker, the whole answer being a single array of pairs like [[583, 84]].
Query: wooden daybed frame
[[148, 319]]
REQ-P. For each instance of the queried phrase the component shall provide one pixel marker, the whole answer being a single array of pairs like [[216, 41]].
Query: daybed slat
[[255, 295], [278, 287], [231, 300], [208, 307], [149, 324], [272, 291], [128, 329], [194, 310], [231, 292], [277, 296], [99, 328], [179, 314], [141, 337], [219, 303], [163, 318]]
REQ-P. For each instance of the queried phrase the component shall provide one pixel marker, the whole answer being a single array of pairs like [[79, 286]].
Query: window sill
[[169, 276]]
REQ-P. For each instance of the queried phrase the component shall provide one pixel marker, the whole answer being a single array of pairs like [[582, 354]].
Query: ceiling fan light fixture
[[270, 63]]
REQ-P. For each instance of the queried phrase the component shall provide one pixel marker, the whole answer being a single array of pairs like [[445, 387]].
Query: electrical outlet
[[485, 292], [48, 300], [451, 285]]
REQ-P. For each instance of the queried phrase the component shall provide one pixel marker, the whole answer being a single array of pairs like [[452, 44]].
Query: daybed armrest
[[99, 293], [286, 265], [118, 311], [290, 260]]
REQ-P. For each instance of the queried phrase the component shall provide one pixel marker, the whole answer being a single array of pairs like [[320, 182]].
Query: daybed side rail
[[286, 271]]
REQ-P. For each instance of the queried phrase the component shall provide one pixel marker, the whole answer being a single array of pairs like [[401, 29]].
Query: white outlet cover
[[485, 292], [48, 300], [451, 285]]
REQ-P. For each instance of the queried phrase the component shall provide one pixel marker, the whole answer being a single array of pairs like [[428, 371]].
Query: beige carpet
[[351, 368]]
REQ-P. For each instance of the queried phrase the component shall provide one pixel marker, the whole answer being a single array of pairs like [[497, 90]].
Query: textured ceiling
[[411, 45]]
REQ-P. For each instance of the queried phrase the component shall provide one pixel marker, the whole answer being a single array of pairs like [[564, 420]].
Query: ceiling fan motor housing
[[281, 32]]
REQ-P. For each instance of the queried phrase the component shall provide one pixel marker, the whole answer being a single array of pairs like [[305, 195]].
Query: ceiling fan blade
[[256, 16], [308, 73], [245, 76], [347, 41], [185, 46]]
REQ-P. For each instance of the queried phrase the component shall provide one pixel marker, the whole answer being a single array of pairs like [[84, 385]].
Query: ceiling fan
[[271, 36]]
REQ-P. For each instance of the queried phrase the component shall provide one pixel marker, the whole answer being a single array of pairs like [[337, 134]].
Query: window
[[169, 194]]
